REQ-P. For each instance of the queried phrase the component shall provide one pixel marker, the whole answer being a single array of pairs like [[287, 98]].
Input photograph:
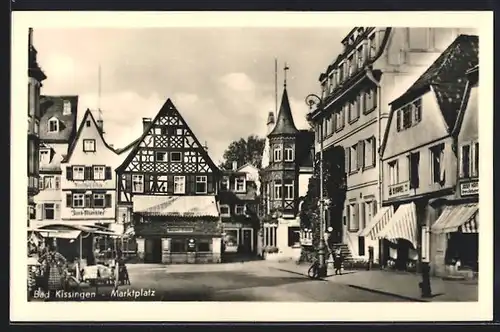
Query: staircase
[[344, 249]]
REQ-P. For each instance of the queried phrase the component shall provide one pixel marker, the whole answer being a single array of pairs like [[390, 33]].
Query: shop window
[[203, 246], [178, 245]]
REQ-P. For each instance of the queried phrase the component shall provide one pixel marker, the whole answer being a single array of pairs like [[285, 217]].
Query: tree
[[244, 151]]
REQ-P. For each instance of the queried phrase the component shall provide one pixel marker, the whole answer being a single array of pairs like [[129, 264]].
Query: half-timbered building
[[168, 187]]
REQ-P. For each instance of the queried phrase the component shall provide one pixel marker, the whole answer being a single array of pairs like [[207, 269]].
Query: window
[[89, 145], [351, 65], [175, 156], [370, 100], [239, 184], [393, 172], [331, 83], [203, 246], [201, 184], [224, 184], [354, 217], [78, 173], [414, 160], [294, 236], [341, 72], [53, 125], [361, 245], [225, 211], [162, 182], [161, 156], [370, 153], [340, 118], [368, 212], [270, 236], [277, 154], [239, 209], [360, 57], [137, 183], [178, 245], [289, 189], [36, 128], [372, 46], [437, 163], [409, 115], [99, 173], [78, 200], [87, 123], [469, 160], [288, 154], [278, 194], [418, 38], [49, 182], [44, 156], [66, 107], [179, 184], [48, 211], [354, 158], [99, 200]]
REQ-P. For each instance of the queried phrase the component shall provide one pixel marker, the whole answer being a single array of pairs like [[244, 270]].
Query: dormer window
[[53, 126], [224, 184], [44, 156], [66, 107], [240, 184]]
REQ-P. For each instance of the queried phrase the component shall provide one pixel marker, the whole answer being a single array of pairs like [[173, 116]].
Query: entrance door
[[247, 242], [152, 250]]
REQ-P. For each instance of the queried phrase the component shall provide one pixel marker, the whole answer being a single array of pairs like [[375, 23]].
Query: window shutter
[[107, 174], [57, 181], [360, 151], [170, 184], [88, 200], [69, 200], [41, 183], [347, 165], [348, 214], [398, 120], [57, 211], [107, 199], [88, 173], [356, 225], [461, 162], [39, 211], [374, 208], [210, 184], [69, 173], [128, 182], [147, 183], [374, 151], [362, 216]]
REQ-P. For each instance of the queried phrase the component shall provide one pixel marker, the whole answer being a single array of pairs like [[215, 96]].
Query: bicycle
[[313, 271]]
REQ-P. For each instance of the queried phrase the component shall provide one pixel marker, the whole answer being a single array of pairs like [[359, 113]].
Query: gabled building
[[455, 235], [420, 171], [238, 194], [167, 186], [57, 131], [287, 167], [356, 90], [35, 78]]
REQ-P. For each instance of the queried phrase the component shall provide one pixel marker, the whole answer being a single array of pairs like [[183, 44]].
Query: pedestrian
[[337, 261], [121, 272], [53, 263]]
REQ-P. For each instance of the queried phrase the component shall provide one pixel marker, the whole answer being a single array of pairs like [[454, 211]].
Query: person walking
[[121, 273], [53, 263], [337, 261]]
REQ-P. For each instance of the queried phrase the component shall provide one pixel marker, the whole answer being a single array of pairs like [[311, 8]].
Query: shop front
[[177, 229], [239, 238]]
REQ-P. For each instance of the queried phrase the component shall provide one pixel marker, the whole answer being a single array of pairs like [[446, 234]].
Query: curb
[[387, 293]]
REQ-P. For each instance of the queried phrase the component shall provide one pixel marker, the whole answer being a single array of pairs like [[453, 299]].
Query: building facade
[[35, 78], [57, 131], [356, 90], [167, 186], [287, 166], [420, 171], [455, 235], [238, 193]]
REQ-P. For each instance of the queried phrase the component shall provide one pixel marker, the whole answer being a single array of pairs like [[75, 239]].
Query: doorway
[[247, 243], [153, 250]]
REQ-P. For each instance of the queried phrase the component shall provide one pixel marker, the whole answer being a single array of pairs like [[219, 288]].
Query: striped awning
[[458, 218], [180, 206], [378, 222], [403, 225], [60, 234]]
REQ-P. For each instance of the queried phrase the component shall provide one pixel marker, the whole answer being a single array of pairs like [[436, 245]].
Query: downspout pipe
[[369, 74]]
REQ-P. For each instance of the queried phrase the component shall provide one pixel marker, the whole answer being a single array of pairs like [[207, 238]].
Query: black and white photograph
[[228, 164]]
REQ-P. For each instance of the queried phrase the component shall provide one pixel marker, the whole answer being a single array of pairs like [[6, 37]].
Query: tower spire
[[275, 87], [285, 70], [99, 92]]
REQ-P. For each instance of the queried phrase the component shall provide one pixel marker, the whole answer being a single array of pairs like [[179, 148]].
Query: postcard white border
[[21, 310]]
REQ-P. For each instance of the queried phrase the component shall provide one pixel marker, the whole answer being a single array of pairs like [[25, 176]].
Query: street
[[250, 281]]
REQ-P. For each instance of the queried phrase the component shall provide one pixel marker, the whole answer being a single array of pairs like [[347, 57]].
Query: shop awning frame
[[462, 218], [60, 234], [403, 225], [378, 222]]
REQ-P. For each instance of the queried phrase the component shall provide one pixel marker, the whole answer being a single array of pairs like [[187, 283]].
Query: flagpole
[[275, 87]]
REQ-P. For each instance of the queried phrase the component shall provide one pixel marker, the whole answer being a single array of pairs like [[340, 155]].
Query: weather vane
[[285, 69]]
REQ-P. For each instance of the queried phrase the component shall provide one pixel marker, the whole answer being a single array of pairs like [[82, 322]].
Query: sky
[[221, 80]]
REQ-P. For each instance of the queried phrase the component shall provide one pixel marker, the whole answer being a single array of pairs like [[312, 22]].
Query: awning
[[458, 218], [182, 206], [59, 234], [378, 222], [403, 225]]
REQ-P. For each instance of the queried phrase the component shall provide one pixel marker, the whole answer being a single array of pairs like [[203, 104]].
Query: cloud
[[238, 82]]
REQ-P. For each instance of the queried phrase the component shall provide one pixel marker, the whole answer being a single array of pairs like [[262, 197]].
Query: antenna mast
[[275, 87], [99, 93]]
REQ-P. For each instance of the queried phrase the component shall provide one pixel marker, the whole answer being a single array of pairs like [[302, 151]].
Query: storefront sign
[[191, 244], [89, 184], [399, 189], [180, 230], [87, 212], [469, 188]]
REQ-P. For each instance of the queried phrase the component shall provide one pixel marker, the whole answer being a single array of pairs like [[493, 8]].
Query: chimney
[[100, 125], [270, 121], [205, 146], [30, 37], [145, 123], [235, 165]]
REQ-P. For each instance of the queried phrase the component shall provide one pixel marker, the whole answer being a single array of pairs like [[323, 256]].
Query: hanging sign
[[469, 188]]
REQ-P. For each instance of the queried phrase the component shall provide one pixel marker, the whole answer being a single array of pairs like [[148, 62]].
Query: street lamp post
[[311, 100]]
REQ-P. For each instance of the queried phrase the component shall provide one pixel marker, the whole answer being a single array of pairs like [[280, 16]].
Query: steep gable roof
[[87, 116], [284, 124], [52, 107], [165, 109], [129, 146], [472, 76], [446, 77]]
